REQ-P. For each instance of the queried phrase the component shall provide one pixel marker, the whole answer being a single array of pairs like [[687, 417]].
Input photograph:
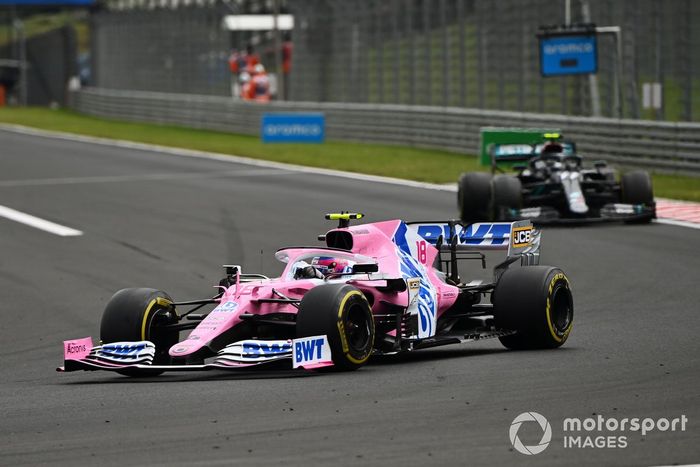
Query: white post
[[22, 43], [616, 31]]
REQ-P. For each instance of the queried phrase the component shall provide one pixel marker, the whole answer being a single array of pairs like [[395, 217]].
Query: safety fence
[[457, 53], [662, 146], [484, 54]]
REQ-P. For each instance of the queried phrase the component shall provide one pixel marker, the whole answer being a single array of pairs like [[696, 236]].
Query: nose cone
[[571, 181], [185, 348]]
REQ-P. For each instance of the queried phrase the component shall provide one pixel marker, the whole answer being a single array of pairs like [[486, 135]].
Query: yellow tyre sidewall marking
[[558, 276], [341, 328], [164, 302]]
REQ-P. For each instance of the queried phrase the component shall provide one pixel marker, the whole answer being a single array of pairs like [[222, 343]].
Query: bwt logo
[[473, 234], [123, 349], [546, 433], [305, 350], [259, 349]]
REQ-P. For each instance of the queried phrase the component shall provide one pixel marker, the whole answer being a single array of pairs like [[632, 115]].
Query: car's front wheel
[[636, 188], [141, 314], [341, 313]]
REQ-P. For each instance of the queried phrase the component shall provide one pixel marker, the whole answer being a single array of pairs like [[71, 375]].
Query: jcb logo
[[522, 236]]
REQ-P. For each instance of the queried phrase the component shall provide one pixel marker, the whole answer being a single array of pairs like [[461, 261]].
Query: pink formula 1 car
[[373, 289]]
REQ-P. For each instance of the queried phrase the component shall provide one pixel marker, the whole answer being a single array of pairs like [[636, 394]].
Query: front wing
[[308, 353], [613, 212]]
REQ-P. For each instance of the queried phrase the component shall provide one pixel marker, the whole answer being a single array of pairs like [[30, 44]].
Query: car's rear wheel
[[507, 196], [141, 314], [536, 302], [636, 188], [340, 312], [475, 197]]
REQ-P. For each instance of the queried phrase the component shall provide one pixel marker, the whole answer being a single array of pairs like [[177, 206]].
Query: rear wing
[[506, 155], [519, 239]]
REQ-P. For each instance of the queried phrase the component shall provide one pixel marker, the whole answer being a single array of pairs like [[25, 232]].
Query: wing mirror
[[365, 268]]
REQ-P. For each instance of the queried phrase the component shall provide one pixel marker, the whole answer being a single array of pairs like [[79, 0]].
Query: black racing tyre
[[342, 313], [536, 302], [507, 195], [636, 188], [139, 314], [475, 197]]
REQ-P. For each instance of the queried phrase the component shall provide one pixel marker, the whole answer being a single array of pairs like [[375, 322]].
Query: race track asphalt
[[169, 222]]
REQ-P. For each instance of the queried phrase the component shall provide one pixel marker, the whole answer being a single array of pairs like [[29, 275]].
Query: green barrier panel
[[491, 135]]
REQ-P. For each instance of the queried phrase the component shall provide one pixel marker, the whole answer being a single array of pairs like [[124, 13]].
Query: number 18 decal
[[422, 247]]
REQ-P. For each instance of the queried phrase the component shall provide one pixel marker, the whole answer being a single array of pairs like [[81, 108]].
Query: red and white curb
[[682, 213]]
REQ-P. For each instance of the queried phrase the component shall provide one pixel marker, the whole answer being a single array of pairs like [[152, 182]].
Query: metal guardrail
[[661, 146]]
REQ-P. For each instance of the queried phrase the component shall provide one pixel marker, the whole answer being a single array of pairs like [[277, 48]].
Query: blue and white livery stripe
[[132, 353], [426, 302], [254, 350], [494, 235], [518, 238]]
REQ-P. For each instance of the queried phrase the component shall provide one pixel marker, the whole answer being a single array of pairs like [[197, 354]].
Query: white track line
[[690, 225], [120, 143], [38, 223]]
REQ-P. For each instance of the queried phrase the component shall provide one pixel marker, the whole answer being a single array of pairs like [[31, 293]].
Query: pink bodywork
[[371, 243]]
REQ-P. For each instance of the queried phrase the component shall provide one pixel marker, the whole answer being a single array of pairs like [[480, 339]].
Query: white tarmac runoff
[[154, 220]]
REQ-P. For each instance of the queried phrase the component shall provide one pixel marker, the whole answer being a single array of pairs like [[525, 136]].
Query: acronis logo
[[475, 234]]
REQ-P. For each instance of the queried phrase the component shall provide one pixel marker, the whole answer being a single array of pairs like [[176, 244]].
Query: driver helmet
[[331, 265], [552, 147]]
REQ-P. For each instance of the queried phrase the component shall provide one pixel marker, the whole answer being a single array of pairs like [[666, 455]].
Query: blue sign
[[568, 54], [293, 128]]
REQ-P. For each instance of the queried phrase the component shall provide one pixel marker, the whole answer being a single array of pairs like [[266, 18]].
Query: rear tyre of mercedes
[[507, 197], [475, 197]]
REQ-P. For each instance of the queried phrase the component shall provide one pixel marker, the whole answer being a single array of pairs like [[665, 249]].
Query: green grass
[[44, 22], [676, 187], [394, 161]]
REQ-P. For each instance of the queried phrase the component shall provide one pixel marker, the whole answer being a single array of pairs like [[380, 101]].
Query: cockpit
[[312, 263]]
